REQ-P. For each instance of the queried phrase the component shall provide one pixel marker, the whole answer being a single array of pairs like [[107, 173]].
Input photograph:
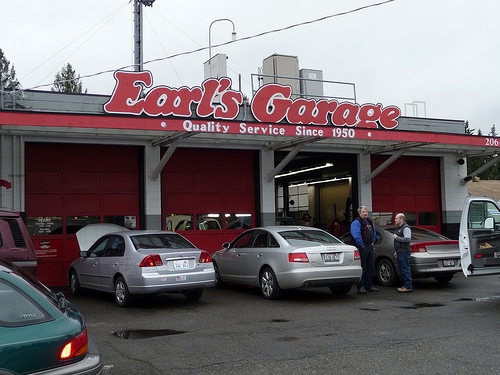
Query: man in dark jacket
[[402, 239], [364, 234]]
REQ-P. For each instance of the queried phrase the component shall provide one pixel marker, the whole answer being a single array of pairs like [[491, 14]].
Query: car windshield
[[311, 237], [161, 241]]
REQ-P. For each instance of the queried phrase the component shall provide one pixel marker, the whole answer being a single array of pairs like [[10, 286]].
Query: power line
[[239, 40]]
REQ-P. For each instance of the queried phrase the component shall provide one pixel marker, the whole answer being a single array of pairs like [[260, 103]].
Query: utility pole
[[138, 32]]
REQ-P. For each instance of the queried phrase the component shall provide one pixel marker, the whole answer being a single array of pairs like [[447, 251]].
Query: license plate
[[448, 263], [334, 257], [181, 264], [496, 255]]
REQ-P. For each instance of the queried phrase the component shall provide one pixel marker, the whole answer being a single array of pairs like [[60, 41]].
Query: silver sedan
[[129, 263], [284, 257]]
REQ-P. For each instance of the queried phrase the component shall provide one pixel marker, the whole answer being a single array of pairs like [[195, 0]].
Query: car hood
[[92, 232]]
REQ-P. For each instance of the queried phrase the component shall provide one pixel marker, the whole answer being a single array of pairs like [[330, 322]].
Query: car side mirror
[[84, 254], [225, 245], [489, 223]]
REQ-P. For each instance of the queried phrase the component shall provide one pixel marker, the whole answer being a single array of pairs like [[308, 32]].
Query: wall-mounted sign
[[272, 104]]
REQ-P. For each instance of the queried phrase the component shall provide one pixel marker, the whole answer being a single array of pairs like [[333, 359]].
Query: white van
[[479, 237]]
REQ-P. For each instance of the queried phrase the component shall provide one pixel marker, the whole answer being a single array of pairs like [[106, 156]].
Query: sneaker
[[362, 290], [404, 290], [372, 289]]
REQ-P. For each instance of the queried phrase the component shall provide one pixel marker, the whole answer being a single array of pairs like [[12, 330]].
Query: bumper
[[318, 277], [154, 284], [430, 267], [90, 365]]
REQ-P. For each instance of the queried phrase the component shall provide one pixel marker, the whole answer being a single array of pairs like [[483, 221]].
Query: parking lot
[[446, 329]]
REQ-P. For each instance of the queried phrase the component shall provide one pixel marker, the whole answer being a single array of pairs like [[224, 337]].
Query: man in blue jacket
[[364, 234]]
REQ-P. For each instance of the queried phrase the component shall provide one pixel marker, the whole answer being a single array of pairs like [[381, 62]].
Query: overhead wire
[[104, 22], [239, 40]]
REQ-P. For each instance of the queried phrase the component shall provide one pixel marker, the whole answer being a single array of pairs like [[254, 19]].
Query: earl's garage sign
[[271, 105]]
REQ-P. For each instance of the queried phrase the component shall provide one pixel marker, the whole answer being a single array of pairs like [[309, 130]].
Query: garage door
[[69, 186], [209, 195], [409, 185]]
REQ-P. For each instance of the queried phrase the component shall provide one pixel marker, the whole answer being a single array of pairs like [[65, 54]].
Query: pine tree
[[7, 74], [67, 81], [468, 130]]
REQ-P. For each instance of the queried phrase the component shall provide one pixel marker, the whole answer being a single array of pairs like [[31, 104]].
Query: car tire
[[386, 272], [218, 281], [340, 289], [193, 295], [269, 286], [123, 297], [443, 279], [74, 284]]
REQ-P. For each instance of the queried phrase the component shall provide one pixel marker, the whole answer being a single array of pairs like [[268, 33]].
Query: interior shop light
[[327, 165], [321, 181]]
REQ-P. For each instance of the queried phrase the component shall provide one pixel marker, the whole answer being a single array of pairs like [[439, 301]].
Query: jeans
[[404, 269], [366, 254]]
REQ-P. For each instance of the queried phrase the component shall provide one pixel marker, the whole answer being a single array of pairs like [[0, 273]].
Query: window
[[428, 218], [479, 211], [75, 223], [238, 221], [98, 249], [116, 247], [127, 221], [208, 221], [158, 241], [17, 309], [41, 225], [243, 240]]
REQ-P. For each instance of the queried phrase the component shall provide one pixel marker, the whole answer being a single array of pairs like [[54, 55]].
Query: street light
[[233, 35]]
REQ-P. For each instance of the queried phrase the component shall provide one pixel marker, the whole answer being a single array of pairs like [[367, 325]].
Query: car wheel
[[122, 296], [340, 289], [193, 295], [218, 281], [386, 273], [269, 286], [74, 284], [443, 279]]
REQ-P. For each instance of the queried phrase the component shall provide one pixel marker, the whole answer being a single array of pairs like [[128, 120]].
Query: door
[[231, 263], [109, 262], [88, 268], [479, 237]]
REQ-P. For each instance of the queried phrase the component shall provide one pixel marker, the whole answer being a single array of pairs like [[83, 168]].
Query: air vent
[[17, 235]]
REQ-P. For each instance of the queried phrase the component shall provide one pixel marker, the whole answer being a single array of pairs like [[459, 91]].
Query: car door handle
[[260, 255]]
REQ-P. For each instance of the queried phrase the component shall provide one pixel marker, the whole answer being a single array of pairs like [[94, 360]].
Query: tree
[[67, 80], [468, 130], [7, 74]]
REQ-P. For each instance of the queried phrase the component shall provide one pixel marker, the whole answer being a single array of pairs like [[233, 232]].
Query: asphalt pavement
[[445, 329]]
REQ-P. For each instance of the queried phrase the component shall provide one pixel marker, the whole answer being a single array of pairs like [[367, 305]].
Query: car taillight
[[418, 248], [357, 255], [205, 257], [152, 260], [298, 257], [75, 347]]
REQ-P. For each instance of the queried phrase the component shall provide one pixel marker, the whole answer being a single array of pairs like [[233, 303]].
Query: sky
[[431, 58]]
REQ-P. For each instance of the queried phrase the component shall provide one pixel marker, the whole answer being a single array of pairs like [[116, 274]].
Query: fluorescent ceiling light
[[321, 181], [327, 165]]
